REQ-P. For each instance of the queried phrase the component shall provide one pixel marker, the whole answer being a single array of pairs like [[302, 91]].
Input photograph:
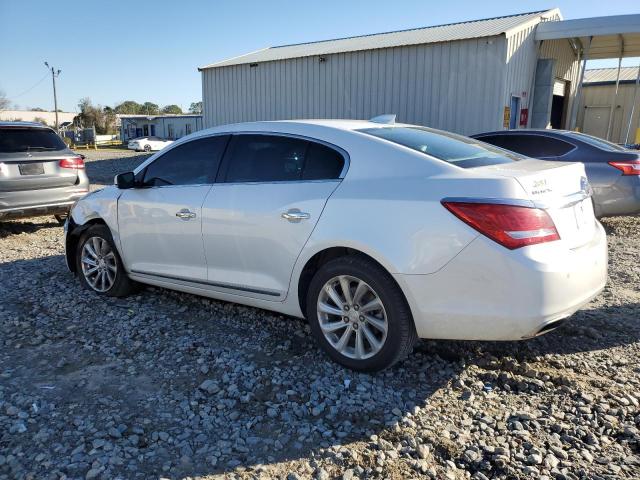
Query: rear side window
[[273, 158], [322, 163], [17, 139], [536, 146], [192, 163], [458, 150], [596, 142]]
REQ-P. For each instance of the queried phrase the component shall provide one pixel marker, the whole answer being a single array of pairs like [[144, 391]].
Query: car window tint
[[18, 139], [597, 142], [458, 150], [322, 163], [535, 146], [192, 163], [265, 158]]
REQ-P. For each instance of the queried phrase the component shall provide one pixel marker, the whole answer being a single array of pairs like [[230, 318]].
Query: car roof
[[22, 124], [520, 131]]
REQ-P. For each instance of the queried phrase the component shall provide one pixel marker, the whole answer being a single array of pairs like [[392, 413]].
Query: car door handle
[[185, 214], [294, 215]]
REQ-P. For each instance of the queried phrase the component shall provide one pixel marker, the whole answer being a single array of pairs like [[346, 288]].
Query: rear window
[[458, 150], [15, 139], [596, 142]]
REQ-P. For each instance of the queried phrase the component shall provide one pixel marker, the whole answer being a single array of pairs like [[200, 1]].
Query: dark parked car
[[38, 174], [613, 171]]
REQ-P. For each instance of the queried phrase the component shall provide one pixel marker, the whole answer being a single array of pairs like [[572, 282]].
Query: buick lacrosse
[[378, 233]]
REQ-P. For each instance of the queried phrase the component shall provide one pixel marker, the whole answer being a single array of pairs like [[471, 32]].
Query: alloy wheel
[[99, 265], [352, 317]]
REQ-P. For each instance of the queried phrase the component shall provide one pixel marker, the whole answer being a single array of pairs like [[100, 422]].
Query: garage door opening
[[559, 103]]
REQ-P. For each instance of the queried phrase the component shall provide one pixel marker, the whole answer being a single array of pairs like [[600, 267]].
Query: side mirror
[[125, 180]]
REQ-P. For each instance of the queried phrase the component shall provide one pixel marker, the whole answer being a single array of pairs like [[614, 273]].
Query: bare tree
[[4, 101]]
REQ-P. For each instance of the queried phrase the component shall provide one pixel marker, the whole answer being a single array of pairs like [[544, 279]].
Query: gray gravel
[[164, 384]]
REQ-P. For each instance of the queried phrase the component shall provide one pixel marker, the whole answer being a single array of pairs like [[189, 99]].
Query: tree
[[196, 108], [40, 119], [172, 110], [4, 101], [149, 108], [102, 118], [37, 109], [128, 107]]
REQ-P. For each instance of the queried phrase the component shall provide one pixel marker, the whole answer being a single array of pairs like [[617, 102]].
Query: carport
[[596, 38]]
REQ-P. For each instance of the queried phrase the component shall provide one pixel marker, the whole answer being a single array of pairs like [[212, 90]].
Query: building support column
[[576, 101], [612, 109], [633, 107]]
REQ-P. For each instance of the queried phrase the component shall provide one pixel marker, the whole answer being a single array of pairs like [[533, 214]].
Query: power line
[[30, 88]]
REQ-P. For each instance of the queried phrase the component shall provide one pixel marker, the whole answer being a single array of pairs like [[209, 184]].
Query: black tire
[[401, 333], [61, 218], [122, 284], [147, 148]]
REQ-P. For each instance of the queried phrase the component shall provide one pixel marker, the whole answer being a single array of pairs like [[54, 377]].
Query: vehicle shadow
[[102, 171], [202, 387], [31, 225]]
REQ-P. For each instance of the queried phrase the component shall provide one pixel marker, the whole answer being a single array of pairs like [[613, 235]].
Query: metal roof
[[441, 33], [606, 75], [611, 36]]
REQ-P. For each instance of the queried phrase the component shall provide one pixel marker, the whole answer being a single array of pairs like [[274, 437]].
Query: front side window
[[192, 163], [17, 139], [455, 149], [272, 158]]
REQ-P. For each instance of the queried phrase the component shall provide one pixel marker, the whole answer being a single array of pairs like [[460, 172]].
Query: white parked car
[[377, 233], [148, 144]]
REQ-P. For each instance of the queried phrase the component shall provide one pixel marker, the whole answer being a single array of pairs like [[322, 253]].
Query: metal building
[[611, 109], [464, 77]]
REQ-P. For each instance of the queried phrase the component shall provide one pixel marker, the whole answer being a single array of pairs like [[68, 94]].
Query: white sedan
[[148, 144], [378, 233]]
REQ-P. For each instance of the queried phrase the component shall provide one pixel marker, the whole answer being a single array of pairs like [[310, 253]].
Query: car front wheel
[[147, 148], [99, 266], [359, 315]]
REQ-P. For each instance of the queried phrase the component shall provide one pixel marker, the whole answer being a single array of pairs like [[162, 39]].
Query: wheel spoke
[[95, 243], [88, 261], [333, 326], [381, 325], [376, 345], [361, 289], [346, 291], [89, 249], [89, 271], [359, 344], [344, 339], [372, 305], [326, 308], [334, 295]]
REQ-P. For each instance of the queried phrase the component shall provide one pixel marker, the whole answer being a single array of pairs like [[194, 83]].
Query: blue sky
[[150, 50]]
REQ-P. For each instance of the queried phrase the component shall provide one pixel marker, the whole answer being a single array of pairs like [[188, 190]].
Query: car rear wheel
[[99, 266], [359, 315], [147, 148]]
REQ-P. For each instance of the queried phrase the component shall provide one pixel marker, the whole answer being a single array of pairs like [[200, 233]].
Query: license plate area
[[31, 168]]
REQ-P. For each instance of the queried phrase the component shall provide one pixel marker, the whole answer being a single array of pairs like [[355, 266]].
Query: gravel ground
[[164, 384], [102, 165]]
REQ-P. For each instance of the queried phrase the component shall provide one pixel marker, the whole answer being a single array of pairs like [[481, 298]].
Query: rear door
[[269, 196], [160, 223], [33, 158]]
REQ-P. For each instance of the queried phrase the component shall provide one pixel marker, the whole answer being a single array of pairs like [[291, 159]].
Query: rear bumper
[[490, 293], [32, 203]]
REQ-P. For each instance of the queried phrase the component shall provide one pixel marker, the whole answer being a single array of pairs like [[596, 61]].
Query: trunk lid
[[560, 188], [35, 170]]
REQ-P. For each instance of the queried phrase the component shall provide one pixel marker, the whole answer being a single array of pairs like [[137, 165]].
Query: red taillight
[[512, 226], [629, 167], [72, 162]]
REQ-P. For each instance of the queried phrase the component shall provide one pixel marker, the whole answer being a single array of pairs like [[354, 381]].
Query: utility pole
[[54, 73]]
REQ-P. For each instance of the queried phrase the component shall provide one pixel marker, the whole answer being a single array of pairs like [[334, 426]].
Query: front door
[[160, 222], [257, 218]]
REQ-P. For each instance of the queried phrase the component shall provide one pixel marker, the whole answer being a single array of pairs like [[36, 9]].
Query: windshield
[[596, 142], [17, 139], [458, 150]]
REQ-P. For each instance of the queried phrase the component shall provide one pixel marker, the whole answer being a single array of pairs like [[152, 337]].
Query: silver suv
[[39, 175]]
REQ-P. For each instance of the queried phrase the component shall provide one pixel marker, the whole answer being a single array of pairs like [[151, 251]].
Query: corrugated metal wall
[[522, 53], [456, 86], [566, 67], [603, 97]]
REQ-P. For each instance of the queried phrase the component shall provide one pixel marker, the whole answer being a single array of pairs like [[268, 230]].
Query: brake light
[[629, 167], [511, 226], [72, 162]]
